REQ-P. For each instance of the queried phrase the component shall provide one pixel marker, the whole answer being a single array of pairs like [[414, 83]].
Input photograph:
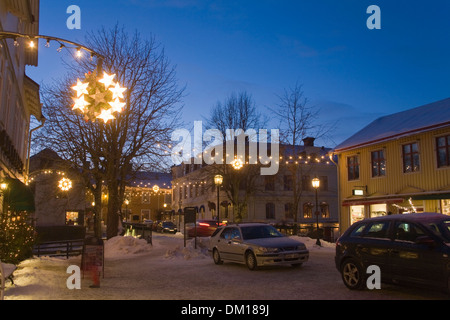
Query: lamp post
[[316, 185], [218, 179], [127, 202], [4, 188]]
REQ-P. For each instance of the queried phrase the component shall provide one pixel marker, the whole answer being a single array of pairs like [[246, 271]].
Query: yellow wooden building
[[399, 163]]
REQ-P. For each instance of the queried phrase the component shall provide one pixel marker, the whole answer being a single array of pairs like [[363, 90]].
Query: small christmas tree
[[17, 237]]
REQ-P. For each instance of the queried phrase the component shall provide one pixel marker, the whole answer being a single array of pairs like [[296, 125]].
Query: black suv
[[411, 248]]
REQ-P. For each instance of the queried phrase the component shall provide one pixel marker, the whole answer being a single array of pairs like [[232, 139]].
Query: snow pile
[[118, 247], [311, 244], [190, 252]]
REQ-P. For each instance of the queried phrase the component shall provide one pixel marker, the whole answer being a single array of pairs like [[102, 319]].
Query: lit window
[[378, 164], [411, 160]]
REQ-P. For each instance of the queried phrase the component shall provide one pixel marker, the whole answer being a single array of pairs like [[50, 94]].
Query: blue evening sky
[[351, 73]]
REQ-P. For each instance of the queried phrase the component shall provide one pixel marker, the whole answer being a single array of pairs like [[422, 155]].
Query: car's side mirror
[[426, 240], [237, 239]]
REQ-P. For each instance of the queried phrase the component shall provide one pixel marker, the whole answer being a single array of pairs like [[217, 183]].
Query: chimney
[[309, 141]]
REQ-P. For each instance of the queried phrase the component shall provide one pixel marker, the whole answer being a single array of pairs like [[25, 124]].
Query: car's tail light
[[203, 224]]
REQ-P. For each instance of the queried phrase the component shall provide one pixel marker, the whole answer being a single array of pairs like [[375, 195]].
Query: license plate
[[290, 256]]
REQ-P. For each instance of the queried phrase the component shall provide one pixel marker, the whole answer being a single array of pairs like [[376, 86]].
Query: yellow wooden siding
[[428, 179]]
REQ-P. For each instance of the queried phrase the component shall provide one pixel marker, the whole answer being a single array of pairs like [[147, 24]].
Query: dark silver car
[[256, 244]]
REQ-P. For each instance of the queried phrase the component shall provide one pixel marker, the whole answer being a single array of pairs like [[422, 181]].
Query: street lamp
[[127, 202], [218, 179], [316, 185]]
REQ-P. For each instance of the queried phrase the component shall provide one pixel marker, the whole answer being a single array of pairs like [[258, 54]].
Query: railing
[[59, 248], [141, 230]]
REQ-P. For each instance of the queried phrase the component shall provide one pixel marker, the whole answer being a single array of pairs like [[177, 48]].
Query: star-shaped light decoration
[[80, 104], [65, 184], [80, 88], [117, 106], [117, 91], [107, 80], [99, 97], [106, 115], [237, 164]]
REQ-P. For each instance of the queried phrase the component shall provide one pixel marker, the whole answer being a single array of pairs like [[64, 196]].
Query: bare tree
[[139, 136], [238, 111], [298, 120]]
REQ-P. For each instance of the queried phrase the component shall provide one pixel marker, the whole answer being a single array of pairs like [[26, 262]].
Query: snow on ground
[[168, 270], [43, 277]]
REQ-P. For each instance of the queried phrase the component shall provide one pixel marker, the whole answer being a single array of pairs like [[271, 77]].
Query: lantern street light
[[127, 202], [218, 179], [316, 185]]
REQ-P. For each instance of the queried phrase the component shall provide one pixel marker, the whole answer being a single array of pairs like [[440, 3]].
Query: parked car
[[166, 227], [202, 228], [407, 248], [256, 244]]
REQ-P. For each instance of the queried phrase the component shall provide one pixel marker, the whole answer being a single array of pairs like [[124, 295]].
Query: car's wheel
[[216, 257], [352, 274], [250, 260]]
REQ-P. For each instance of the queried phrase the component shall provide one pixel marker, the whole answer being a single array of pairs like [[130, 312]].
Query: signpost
[[93, 259], [190, 216]]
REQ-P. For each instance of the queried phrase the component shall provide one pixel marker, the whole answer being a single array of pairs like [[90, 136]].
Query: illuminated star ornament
[[65, 184], [99, 97]]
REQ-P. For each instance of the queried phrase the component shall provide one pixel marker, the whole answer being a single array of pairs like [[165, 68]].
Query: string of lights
[[32, 43]]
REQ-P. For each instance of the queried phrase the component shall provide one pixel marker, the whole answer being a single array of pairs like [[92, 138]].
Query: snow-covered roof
[[424, 118]]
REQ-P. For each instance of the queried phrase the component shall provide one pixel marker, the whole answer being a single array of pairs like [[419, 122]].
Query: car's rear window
[[358, 230], [257, 232]]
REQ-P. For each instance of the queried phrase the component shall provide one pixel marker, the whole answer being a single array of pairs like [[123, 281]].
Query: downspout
[[29, 148], [338, 190]]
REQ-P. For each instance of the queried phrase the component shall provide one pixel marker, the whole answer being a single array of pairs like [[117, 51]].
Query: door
[[373, 247], [230, 244], [420, 263]]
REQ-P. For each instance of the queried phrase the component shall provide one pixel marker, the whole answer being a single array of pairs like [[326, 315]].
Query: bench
[[6, 272]]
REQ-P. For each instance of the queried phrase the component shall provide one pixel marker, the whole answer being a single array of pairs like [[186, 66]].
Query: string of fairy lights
[[98, 96]]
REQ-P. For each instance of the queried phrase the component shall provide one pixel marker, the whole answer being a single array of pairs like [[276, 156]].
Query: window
[[443, 151], [323, 183], [306, 183], [377, 230], [288, 211], [230, 233], [407, 232], [353, 168], [411, 161], [378, 163], [146, 197], [2, 64], [288, 183], [356, 213], [7, 102], [270, 211], [145, 214], [269, 183], [307, 210], [358, 231], [325, 210]]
